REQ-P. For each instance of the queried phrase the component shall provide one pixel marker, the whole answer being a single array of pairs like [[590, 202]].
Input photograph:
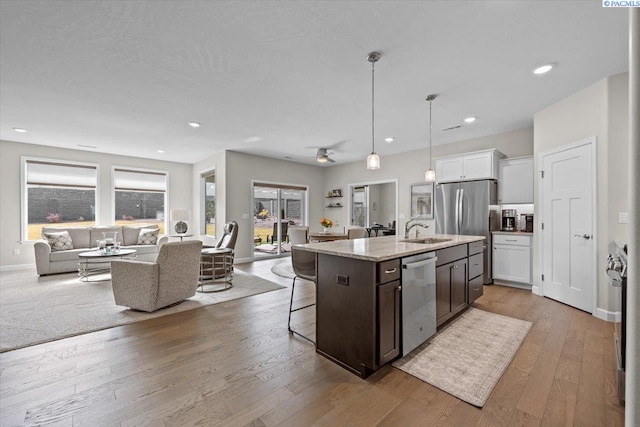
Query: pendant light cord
[[430, 126], [373, 139]]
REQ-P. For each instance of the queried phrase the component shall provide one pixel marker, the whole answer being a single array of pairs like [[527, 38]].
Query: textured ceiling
[[126, 76]]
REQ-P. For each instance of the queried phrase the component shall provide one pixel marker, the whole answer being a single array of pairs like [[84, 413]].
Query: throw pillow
[[59, 241], [148, 236]]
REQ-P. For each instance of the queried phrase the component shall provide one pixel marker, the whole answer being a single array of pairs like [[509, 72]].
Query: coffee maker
[[509, 220]]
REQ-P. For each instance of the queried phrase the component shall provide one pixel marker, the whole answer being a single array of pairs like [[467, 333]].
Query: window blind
[[53, 174], [133, 180]]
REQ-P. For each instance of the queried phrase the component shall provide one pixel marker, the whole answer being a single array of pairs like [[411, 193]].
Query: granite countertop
[[521, 233], [387, 247]]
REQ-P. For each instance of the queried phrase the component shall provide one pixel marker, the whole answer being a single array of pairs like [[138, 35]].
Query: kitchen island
[[358, 305]]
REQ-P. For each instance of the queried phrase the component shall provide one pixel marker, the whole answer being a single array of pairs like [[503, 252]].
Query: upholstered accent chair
[[229, 236], [356, 233], [299, 235], [150, 286]]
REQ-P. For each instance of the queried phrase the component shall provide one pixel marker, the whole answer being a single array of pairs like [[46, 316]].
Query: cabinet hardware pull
[[393, 270], [511, 240], [475, 265], [476, 289]]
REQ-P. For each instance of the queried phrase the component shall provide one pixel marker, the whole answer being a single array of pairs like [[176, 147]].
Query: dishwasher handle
[[420, 263]]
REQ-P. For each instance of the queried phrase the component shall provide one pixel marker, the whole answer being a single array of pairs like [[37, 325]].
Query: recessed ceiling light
[[194, 124], [543, 69], [389, 139], [160, 151], [252, 139], [20, 130], [470, 120]]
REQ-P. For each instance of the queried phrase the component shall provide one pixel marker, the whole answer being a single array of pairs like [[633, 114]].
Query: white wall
[[410, 167], [10, 153], [600, 110]]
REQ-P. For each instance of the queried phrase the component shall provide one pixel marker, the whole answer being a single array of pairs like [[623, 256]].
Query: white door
[[568, 201]]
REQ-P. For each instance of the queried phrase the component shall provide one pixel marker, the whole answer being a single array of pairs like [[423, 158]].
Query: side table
[[216, 270]]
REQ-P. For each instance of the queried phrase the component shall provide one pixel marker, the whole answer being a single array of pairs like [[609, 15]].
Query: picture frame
[[422, 200]]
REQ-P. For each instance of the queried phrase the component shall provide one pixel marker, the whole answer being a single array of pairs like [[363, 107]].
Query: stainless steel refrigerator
[[469, 208]]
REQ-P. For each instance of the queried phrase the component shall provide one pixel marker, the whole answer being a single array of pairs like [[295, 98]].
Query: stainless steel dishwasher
[[418, 300]]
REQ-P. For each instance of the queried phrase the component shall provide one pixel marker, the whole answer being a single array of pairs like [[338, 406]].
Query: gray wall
[[410, 167], [180, 178], [600, 110]]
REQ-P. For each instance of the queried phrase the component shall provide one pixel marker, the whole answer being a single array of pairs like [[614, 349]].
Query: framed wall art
[[422, 200]]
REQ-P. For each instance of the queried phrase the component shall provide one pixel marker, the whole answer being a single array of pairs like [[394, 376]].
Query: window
[[139, 197], [56, 192], [209, 203]]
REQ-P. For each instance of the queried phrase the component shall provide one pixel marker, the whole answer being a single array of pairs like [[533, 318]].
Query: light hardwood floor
[[235, 364]]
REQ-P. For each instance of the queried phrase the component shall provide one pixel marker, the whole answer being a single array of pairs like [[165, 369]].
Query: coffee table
[[216, 270], [96, 262]]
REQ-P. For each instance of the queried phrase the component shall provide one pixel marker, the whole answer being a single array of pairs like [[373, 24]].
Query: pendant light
[[430, 175], [373, 160]]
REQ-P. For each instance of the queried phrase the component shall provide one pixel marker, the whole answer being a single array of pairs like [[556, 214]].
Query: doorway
[[276, 207], [568, 222], [373, 203]]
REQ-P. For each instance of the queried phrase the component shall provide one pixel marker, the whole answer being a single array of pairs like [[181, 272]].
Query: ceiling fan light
[[321, 159], [373, 161], [430, 176]]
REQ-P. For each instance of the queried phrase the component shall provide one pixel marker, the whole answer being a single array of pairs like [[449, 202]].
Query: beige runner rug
[[468, 357]]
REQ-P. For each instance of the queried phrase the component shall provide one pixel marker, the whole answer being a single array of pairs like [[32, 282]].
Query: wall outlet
[[16, 251], [623, 217]]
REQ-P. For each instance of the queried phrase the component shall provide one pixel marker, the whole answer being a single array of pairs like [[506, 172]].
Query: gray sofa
[[84, 239]]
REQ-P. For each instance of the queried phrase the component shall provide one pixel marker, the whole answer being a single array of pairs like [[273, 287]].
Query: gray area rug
[[468, 357], [34, 310], [284, 269]]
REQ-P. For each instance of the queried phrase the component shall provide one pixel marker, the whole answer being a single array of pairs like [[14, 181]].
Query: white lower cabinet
[[512, 258]]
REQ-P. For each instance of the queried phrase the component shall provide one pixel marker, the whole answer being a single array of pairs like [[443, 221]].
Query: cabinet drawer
[[476, 265], [388, 271], [448, 255], [475, 289], [518, 240], [476, 247]]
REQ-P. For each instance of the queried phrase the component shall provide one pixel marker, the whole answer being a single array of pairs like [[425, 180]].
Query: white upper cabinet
[[469, 166], [515, 180]]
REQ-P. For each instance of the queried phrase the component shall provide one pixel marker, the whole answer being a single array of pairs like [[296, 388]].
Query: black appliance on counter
[[617, 272], [509, 220]]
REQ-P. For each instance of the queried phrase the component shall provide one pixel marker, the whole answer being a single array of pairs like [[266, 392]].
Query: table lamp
[[180, 215]]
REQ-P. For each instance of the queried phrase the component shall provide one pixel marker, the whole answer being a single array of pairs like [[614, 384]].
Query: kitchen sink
[[427, 240]]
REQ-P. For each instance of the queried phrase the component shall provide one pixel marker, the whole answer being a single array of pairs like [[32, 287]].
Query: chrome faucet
[[408, 227]]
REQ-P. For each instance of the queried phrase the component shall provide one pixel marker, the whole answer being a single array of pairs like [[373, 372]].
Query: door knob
[[584, 236]]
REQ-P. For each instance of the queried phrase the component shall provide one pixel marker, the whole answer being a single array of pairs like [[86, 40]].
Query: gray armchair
[[148, 286], [229, 236]]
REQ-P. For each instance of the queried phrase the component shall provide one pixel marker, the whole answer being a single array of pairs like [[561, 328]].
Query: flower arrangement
[[326, 222]]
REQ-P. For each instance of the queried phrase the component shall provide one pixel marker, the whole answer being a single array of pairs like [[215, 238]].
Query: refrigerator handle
[[461, 210], [457, 220]]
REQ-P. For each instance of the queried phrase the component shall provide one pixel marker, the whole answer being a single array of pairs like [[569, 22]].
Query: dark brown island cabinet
[[459, 276], [358, 311]]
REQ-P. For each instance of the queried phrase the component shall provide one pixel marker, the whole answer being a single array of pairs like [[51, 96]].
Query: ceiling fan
[[322, 156]]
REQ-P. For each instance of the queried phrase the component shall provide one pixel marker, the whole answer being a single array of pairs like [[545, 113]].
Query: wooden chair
[[285, 230]]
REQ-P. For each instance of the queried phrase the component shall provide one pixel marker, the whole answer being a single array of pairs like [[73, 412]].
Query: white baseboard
[[608, 316], [512, 284], [242, 260], [536, 290], [17, 267]]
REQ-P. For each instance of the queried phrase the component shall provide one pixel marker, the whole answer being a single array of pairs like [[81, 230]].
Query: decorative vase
[[325, 230]]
